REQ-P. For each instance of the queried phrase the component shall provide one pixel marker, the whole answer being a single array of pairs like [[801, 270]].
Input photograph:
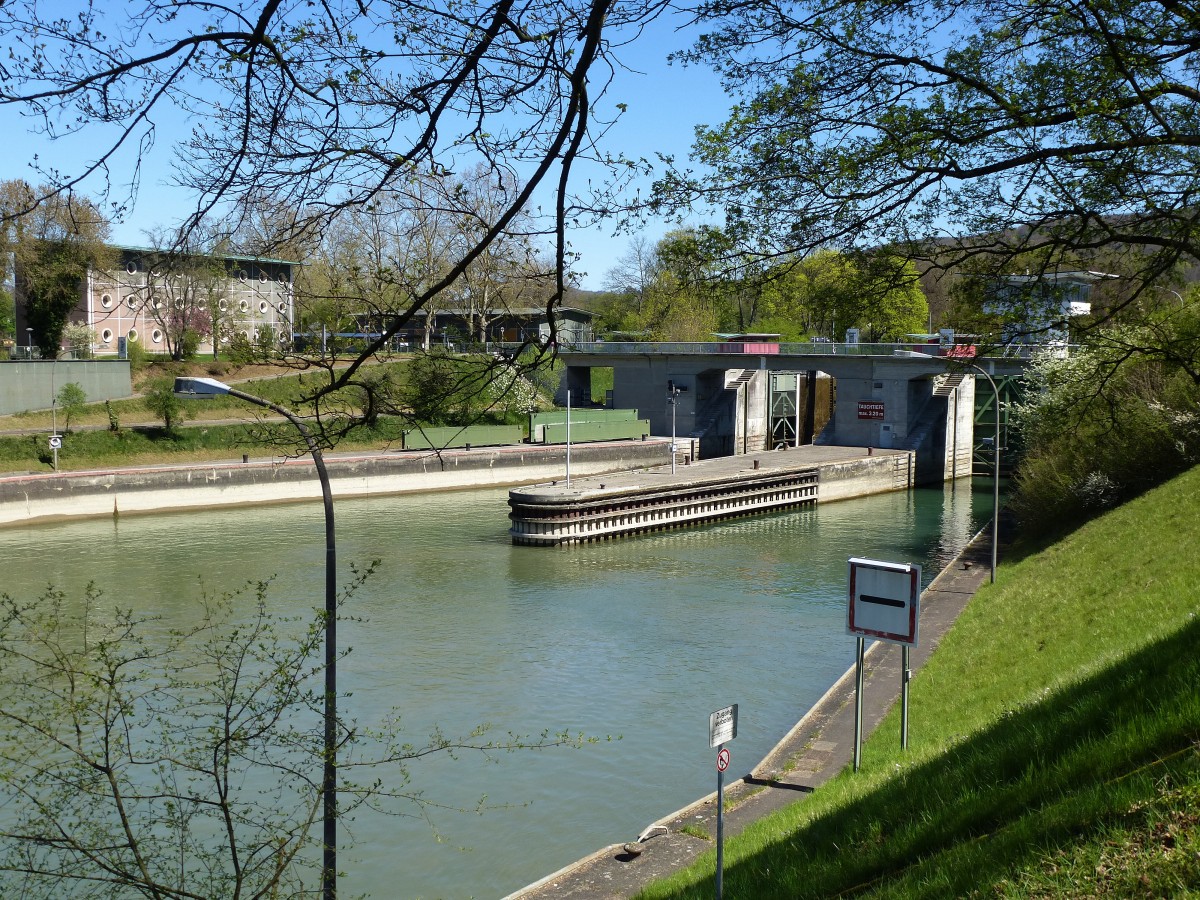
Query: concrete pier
[[610, 506], [70, 495]]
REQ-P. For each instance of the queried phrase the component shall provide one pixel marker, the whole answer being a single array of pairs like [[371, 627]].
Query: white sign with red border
[[885, 600], [723, 759]]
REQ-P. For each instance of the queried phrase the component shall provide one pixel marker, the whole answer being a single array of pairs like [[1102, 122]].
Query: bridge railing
[[816, 348]]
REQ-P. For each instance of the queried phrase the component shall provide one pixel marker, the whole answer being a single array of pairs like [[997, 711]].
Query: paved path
[[819, 747]]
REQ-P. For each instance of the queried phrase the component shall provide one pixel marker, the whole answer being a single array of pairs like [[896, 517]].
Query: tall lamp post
[[207, 389], [995, 466], [673, 392]]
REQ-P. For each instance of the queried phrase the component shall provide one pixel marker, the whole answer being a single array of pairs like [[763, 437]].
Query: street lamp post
[[206, 389], [29, 334], [995, 467], [673, 391]]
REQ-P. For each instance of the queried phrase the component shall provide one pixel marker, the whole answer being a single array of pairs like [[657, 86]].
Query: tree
[[1016, 136], [180, 761], [184, 283], [159, 397], [53, 243], [79, 338], [323, 109], [72, 400]]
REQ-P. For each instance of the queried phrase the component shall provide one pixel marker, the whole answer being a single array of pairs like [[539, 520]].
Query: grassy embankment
[[1054, 741], [141, 440]]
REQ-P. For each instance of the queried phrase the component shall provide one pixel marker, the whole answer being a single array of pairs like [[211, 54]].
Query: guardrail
[[818, 348]]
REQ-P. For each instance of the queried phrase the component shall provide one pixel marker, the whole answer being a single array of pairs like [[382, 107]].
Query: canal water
[[638, 639]]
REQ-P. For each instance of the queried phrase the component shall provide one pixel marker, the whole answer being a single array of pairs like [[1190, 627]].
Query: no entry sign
[[723, 759], [885, 600]]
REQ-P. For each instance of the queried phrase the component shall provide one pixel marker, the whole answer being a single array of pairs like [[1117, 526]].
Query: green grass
[[1054, 741]]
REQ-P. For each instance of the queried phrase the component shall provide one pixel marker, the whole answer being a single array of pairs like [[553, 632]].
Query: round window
[[133, 335], [131, 302], [131, 267], [262, 276], [106, 301], [106, 336], [241, 274], [262, 306], [222, 304], [243, 305], [282, 307]]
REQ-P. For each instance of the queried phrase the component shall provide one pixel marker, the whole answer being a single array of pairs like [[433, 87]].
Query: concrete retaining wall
[[893, 471], [32, 384], [45, 497]]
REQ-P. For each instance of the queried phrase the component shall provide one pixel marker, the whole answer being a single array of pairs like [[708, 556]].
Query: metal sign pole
[[858, 701], [905, 677], [568, 438], [722, 727], [720, 819]]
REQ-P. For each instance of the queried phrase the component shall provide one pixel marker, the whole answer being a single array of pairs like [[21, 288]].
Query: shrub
[[72, 399], [159, 397]]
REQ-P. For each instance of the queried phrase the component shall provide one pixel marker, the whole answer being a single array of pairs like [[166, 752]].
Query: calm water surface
[[641, 638]]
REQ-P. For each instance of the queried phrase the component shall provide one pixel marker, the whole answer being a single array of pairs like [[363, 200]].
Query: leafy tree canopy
[[52, 244], [1045, 132]]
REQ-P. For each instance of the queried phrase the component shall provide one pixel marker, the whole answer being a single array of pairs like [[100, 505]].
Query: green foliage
[[240, 352], [72, 400], [114, 423], [443, 389], [975, 131], [189, 343], [8, 315], [698, 283], [1106, 424], [53, 243], [137, 355], [158, 395]]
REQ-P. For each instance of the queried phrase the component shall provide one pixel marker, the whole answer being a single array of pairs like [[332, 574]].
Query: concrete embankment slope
[[32, 498]]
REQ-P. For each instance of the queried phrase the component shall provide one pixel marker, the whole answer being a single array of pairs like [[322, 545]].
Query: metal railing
[[817, 348]]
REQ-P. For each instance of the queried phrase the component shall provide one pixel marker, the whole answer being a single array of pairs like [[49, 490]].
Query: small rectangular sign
[[722, 725], [870, 409], [885, 600]]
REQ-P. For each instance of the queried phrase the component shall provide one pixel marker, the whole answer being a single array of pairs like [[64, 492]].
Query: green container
[[442, 437]]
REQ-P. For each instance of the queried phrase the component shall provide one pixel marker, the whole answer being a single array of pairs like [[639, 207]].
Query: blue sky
[[664, 103]]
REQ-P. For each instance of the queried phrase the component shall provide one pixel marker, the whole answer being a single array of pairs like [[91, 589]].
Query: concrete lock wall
[[33, 384], [27, 499]]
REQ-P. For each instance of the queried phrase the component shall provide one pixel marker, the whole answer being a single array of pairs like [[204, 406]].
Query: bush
[[137, 355], [1100, 428], [159, 397], [72, 399]]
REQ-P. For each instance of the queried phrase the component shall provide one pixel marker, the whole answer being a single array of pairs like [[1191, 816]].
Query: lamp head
[[199, 388]]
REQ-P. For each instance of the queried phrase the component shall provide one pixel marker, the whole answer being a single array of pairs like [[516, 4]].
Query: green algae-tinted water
[[641, 638]]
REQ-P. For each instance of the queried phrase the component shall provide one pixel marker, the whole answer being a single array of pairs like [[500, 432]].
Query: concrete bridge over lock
[[746, 396]]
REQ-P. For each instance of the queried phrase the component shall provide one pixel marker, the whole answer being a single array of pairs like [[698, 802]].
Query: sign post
[[885, 603], [56, 445], [722, 727]]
